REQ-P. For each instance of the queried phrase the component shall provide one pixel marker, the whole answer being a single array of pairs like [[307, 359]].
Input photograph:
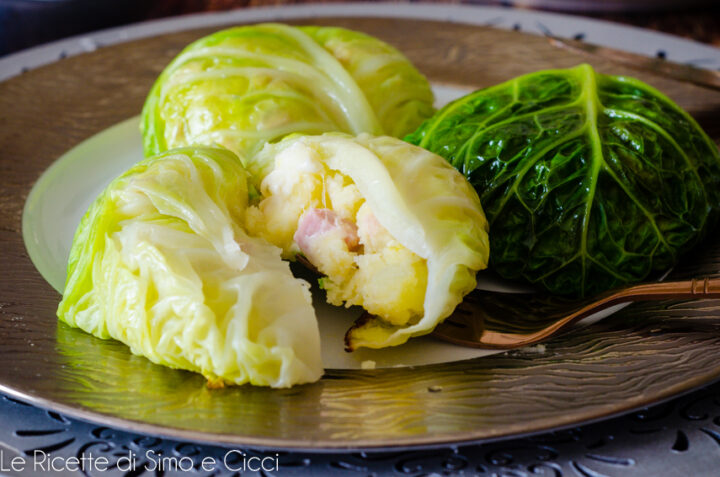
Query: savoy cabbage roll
[[589, 181], [161, 263], [244, 86], [392, 227]]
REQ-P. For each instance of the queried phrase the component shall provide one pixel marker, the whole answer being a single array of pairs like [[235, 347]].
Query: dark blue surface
[[25, 23]]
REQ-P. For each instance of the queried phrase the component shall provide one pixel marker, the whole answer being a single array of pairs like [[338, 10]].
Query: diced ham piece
[[370, 224], [315, 222]]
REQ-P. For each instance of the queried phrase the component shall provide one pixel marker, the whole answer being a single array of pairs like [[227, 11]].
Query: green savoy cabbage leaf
[[589, 181], [242, 87], [424, 204], [160, 263]]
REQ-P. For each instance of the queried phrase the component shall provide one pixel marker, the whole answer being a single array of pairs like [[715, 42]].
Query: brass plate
[[639, 356]]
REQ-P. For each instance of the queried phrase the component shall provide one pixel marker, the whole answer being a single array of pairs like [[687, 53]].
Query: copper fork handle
[[691, 289], [687, 289]]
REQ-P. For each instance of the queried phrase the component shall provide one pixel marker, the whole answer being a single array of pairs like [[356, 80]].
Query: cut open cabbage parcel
[[394, 228], [161, 263]]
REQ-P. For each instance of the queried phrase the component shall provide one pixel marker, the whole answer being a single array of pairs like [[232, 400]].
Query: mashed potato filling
[[310, 209]]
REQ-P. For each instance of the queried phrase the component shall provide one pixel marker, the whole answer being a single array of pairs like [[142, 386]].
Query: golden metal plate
[[644, 354]]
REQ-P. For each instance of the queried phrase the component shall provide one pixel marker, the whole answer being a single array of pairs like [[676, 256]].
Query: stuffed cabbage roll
[[242, 87], [393, 228], [161, 262], [589, 181]]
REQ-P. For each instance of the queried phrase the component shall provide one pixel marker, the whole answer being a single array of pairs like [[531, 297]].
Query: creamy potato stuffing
[[310, 209]]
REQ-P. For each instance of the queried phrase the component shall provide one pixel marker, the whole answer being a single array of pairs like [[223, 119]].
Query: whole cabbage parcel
[[160, 262], [244, 86], [392, 227], [589, 181]]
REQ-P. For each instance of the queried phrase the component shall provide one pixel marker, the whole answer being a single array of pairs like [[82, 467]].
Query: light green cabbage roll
[[392, 227], [242, 87], [161, 263]]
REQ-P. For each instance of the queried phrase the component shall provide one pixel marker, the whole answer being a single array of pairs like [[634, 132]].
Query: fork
[[510, 320]]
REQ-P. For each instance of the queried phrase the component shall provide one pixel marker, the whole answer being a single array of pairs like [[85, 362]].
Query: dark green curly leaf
[[589, 181]]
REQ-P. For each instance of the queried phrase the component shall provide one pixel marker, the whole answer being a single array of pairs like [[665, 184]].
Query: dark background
[[24, 23]]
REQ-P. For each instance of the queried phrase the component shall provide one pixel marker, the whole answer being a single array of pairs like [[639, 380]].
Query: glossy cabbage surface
[[424, 204], [242, 87], [589, 181], [160, 263]]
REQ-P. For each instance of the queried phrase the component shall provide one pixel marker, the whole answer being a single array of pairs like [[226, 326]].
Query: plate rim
[[331, 446], [674, 48]]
